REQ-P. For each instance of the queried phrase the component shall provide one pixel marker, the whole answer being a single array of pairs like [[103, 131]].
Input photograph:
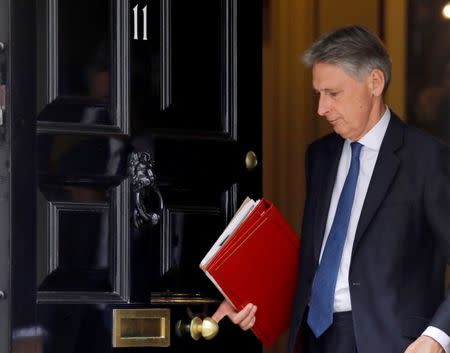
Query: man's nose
[[323, 106]]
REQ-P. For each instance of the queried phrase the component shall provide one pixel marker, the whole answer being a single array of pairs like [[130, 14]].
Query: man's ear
[[376, 82]]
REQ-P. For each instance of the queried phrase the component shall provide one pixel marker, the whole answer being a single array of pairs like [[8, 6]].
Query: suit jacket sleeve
[[437, 206]]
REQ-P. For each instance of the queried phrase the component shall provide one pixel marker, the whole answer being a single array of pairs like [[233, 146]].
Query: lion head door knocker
[[140, 168]]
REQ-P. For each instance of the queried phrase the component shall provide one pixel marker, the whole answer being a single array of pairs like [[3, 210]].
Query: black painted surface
[[190, 96], [21, 128], [5, 315]]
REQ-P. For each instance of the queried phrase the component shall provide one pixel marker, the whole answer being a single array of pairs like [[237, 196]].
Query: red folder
[[258, 263]]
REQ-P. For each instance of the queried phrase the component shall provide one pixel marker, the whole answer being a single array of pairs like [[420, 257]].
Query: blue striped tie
[[320, 315]]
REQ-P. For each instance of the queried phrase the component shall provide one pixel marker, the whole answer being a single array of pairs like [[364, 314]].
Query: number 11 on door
[[144, 23]]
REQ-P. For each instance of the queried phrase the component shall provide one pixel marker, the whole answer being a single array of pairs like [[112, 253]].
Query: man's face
[[348, 104]]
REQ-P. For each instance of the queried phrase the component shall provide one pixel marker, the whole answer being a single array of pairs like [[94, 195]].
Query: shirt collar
[[375, 135]]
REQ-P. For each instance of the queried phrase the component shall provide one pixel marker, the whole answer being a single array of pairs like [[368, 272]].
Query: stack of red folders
[[255, 260]]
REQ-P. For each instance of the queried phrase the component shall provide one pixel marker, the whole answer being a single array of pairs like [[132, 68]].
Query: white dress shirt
[[371, 146]]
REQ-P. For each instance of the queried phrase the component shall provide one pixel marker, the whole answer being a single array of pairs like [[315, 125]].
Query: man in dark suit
[[376, 230]]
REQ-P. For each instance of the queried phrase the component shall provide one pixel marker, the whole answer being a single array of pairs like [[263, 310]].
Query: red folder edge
[[233, 268]]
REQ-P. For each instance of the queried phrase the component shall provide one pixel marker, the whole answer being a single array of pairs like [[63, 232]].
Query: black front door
[[134, 127]]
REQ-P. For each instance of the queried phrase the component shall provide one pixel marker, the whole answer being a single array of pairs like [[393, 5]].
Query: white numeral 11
[[135, 23]]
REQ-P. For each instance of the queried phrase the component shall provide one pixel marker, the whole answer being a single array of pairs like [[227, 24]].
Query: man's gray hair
[[354, 49]]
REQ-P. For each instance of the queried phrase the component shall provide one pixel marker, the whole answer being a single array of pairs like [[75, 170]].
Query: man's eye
[[332, 94]]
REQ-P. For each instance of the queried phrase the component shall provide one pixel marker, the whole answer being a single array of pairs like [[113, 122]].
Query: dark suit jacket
[[402, 241]]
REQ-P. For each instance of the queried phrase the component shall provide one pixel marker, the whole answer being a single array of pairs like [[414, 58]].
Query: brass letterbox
[[141, 328]]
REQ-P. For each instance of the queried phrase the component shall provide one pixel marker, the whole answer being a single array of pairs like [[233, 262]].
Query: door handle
[[197, 328], [141, 169], [2, 295], [251, 160]]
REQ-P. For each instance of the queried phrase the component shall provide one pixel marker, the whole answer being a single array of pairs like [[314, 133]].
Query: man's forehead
[[329, 76], [325, 69]]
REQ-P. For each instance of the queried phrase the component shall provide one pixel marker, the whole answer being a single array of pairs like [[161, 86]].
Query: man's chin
[[340, 132]]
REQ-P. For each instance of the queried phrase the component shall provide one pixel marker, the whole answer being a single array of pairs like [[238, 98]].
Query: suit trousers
[[338, 338]]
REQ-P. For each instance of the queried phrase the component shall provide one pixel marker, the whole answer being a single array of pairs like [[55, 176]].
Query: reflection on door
[[180, 83]]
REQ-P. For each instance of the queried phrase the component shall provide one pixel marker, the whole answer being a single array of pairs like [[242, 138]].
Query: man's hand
[[244, 318], [425, 344]]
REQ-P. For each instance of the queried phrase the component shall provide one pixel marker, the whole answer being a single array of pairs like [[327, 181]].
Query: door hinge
[[1, 116], [2, 110]]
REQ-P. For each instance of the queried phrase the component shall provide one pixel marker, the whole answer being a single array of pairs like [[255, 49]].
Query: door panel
[[77, 71], [82, 225], [190, 49], [83, 49], [145, 111]]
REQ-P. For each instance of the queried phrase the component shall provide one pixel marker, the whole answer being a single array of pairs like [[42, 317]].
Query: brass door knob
[[197, 328], [251, 160]]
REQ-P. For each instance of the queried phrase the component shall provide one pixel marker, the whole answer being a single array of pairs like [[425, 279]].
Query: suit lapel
[[332, 154], [385, 170]]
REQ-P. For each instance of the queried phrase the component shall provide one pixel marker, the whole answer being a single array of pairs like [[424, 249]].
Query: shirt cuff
[[440, 336]]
